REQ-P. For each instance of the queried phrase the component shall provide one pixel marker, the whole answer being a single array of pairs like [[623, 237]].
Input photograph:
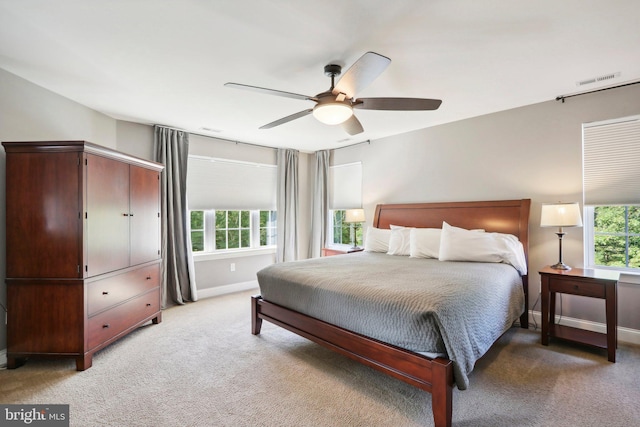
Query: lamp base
[[561, 266]]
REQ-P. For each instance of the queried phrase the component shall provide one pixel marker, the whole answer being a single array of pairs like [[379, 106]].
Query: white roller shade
[[228, 184], [612, 162], [345, 186]]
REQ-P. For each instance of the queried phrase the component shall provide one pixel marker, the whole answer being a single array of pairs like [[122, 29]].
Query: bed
[[434, 372]]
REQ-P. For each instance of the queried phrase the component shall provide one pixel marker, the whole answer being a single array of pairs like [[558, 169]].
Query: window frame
[[210, 232], [589, 242]]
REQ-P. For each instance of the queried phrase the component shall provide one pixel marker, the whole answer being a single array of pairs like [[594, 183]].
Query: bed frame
[[432, 375]]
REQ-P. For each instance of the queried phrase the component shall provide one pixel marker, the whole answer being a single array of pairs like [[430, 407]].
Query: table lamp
[[354, 216], [560, 215]]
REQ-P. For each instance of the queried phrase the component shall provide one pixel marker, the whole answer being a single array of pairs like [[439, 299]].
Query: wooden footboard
[[432, 375]]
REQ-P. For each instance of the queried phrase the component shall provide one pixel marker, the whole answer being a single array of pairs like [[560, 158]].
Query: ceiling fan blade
[[352, 126], [397, 104], [268, 91], [364, 71], [287, 119]]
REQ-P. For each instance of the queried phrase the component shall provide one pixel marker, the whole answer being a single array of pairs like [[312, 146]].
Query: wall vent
[[598, 79]]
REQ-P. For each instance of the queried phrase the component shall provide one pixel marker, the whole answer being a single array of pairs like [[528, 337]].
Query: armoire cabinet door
[[145, 215], [43, 215], [107, 220]]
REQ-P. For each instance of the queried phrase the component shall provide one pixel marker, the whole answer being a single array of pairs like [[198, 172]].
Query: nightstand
[[587, 283], [336, 251]]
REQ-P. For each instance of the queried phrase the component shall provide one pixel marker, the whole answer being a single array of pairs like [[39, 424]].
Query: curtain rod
[[563, 97]]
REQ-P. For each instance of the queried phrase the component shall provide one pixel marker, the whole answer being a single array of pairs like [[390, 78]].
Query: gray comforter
[[423, 305]]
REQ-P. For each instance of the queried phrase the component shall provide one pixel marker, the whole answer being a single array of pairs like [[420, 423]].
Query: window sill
[[240, 253], [631, 278], [626, 276]]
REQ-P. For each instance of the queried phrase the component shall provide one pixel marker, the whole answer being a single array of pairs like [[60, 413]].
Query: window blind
[[345, 186], [611, 162], [214, 183]]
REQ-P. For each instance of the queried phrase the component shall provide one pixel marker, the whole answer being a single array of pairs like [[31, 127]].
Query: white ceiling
[[165, 62]]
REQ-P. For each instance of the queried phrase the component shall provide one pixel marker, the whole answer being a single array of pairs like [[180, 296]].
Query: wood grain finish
[[335, 251], [583, 282], [432, 375], [81, 271], [43, 211]]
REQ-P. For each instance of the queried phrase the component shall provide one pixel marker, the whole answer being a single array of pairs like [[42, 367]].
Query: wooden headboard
[[501, 216]]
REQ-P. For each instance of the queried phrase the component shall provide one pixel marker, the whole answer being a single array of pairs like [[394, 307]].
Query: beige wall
[[530, 152], [31, 113]]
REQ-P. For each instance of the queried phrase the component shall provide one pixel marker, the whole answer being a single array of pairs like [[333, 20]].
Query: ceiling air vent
[[210, 130], [598, 79]]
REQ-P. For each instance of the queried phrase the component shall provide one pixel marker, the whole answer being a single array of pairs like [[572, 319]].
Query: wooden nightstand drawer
[[577, 287]]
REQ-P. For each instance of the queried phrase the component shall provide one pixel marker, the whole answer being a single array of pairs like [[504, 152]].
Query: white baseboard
[[227, 289], [627, 335], [3, 358]]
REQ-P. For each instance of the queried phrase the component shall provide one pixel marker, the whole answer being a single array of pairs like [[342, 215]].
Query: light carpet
[[202, 367]]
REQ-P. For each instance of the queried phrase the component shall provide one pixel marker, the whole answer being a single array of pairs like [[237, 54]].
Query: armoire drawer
[[110, 323], [105, 293]]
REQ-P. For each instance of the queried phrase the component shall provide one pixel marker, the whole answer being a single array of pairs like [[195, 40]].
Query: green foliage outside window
[[267, 228], [197, 231], [343, 232], [233, 229], [617, 236]]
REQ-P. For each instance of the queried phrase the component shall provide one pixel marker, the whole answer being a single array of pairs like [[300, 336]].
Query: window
[[233, 230], [197, 231], [345, 192], [268, 228], [220, 230], [344, 233], [232, 204], [616, 236], [611, 154]]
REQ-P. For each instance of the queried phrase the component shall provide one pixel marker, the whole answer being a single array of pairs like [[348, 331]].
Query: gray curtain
[[287, 201], [171, 148], [319, 207]]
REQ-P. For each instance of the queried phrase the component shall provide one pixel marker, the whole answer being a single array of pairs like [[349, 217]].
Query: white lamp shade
[[354, 215], [332, 113], [561, 215]]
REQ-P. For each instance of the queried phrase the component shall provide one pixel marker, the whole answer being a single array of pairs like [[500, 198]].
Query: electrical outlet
[[232, 266]]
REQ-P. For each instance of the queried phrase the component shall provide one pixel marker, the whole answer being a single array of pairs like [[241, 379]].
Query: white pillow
[[458, 244], [400, 240], [377, 240], [424, 242]]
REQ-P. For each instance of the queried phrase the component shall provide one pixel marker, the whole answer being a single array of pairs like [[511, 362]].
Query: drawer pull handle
[[575, 287], [125, 214], [105, 293], [148, 277], [106, 326], [148, 304]]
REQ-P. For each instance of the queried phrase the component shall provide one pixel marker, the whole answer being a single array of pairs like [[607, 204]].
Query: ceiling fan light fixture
[[332, 113]]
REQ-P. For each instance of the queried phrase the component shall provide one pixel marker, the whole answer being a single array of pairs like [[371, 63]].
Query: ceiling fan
[[336, 105]]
